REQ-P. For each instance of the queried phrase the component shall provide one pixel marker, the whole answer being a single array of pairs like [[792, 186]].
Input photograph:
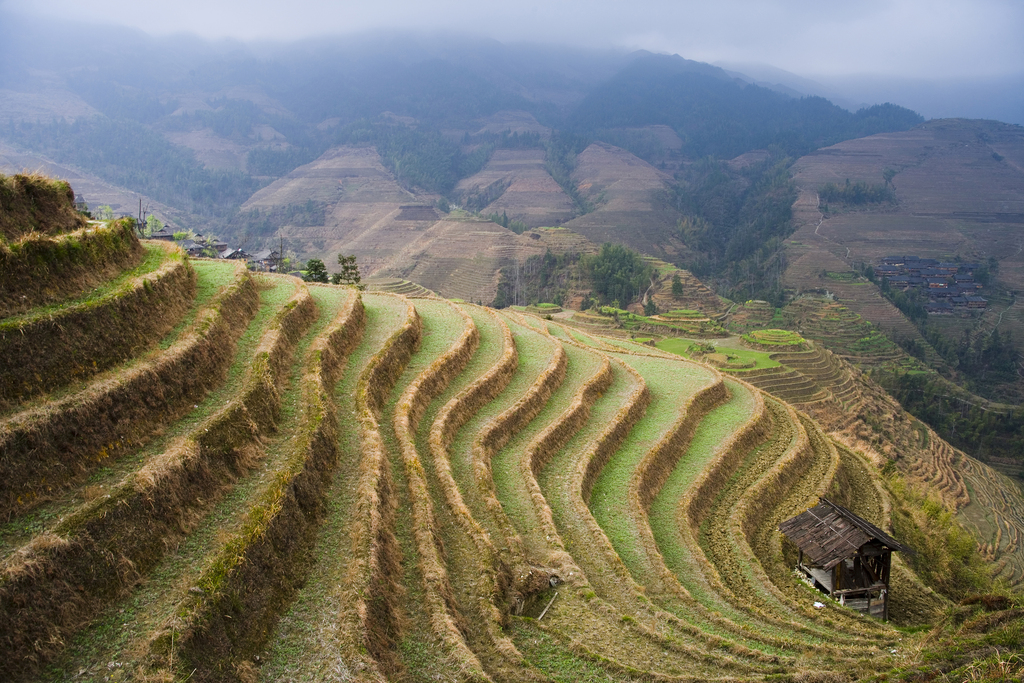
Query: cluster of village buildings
[[949, 286], [199, 246]]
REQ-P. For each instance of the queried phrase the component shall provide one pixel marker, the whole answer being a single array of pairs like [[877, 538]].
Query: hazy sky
[[922, 38]]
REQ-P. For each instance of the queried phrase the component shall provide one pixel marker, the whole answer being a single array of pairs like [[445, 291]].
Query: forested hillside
[[201, 129]]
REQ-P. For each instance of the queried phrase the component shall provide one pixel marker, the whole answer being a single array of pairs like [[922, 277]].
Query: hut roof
[[829, 533]]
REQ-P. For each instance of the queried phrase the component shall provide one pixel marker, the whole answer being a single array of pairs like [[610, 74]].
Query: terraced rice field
[[363, 486]]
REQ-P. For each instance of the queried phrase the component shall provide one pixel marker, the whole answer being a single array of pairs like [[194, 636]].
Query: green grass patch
[[304, 647], [760, 359], [511, 489], [775, 337], [211, 278], [272, 298], [554, 659], [717, 426], [671, 384]]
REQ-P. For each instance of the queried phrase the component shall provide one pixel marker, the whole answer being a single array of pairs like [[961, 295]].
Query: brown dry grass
[[255, 574], [40, 269], [552, 439], [49, 591], [656, 466], [489, 441], [46, 352], [49, 447], [35, 203], [368, 619], [494, 574], [445, 617]]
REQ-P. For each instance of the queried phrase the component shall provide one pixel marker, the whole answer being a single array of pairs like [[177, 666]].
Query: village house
[[976, 302], [844, 556], [265, 261]]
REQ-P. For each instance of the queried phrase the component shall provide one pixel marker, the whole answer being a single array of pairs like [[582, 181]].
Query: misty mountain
[[721, 116], [202, 125]]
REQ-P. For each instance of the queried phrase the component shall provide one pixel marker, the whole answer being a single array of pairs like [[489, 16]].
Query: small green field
[[743, 356], [774, 338]]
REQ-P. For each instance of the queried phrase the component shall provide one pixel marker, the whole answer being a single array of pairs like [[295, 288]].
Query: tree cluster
[[502, 219], [539, 279], [735, 222], [617, 273], [856, 194]]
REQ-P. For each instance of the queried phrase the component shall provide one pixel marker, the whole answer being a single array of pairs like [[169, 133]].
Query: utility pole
[[142, 218]]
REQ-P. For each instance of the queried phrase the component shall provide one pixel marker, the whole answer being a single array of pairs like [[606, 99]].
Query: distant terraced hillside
[[958, 185], [627, 195], [515, 183], [292, 482], [397, 234]]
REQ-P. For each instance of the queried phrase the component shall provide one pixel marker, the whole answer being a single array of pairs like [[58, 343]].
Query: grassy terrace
[[670, 384], [534, 352], [225, 476], [422, 656], [557, 481], [708, 439], [18, 531], [588, 629], [512, 490], [156, 255], [554, 660], [49, 346], [211, 278], [304, 645], [742, 584], [156, 603], [469, 559], [641, 633], [54, 442], [760, 359]]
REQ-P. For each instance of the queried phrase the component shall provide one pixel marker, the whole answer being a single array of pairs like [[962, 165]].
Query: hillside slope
[[628, 196], [958, 186], [515, 183], [309, 481]]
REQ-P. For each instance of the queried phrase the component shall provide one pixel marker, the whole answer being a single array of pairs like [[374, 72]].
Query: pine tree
[[316, 271], [677, 285], [349, 274]]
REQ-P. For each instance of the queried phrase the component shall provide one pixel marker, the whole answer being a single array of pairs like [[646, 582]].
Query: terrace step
[[601, 590], [475, 566], [266, 525], [576, 619], [313, 622], [49, 347], [52, 444], [40, 269], [109, 543], [431, 644]]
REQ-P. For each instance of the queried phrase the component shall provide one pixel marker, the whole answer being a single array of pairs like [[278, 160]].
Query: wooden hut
[[845, 556]]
